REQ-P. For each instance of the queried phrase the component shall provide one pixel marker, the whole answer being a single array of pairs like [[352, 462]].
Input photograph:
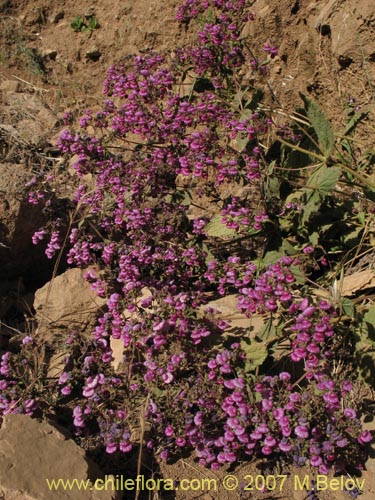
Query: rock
[[32, 131], [93, 54], [57, 16], [117, 345], [347, 28], [49, 54], [19, 221], [10, 86], [32, 452], [66, 302], [47, 118], [37, 120]]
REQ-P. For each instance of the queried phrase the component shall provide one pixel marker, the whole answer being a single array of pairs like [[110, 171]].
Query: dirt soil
[[326, 50]]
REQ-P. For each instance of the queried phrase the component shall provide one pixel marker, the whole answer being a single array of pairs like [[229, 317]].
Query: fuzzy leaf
[[348, 307], [368, 325], [268, 332], [324, 179], [357, 117], [287, 248], [314, 238], [239, 143], [272, 257], [312, 206], [365, 360], [218, 229], [256, 353], [320, 124], [298, 274]]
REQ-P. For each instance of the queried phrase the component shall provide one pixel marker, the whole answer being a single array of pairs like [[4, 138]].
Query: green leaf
[[180, 196], [77, 24], [352, 237], [288, 249], [368, 325], [239, 143], [295, 159], [218, 229], [324, 179], [311, 206], [210, 256], [256, 353], [93, 23], [295, 196], [298, 274], [365, 360], [320, 124], [272, 257], [268, 331], [357, 117], [348, 307], [272, 187], [314, 238]]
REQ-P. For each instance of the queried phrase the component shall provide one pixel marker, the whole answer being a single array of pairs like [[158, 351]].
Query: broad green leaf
[[294, 196], [252, 231], [239, 143], [312, 206], [298, 274], [314, 238], [246, 114], [270, 167], [287, 248], [272, 257], [93, 23], [329, 180], [348, 307], [209, 255], [295, 159], [256, 353], [357, 117], [366, 366], [352, 236], [268, 331], [218, 229], [181, 196], [77, 24], [272, 187], [368, 326], [362, 218], [320, 124], [324, 179]]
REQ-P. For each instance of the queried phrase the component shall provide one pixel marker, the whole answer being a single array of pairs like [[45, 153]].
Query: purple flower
[[316, 460], [308, 249], [169, 431], [111, 447], [365, 437], [350, 413], [301, 431]]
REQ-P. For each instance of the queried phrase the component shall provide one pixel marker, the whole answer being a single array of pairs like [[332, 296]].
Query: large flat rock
[[32, 452]]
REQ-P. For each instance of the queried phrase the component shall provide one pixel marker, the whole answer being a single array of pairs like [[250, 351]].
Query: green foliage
[[365, 346], [320, 124], [324, 179], [256, 353], [218, 229], [86, 23]]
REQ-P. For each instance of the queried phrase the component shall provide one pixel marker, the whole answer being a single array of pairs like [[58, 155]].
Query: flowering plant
[[175, 132]]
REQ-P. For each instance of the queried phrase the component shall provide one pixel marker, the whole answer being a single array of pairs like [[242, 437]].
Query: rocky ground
[[326, 50]]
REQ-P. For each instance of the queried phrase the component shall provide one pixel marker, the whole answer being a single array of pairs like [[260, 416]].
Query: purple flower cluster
[[12, 394], [191, 374]]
